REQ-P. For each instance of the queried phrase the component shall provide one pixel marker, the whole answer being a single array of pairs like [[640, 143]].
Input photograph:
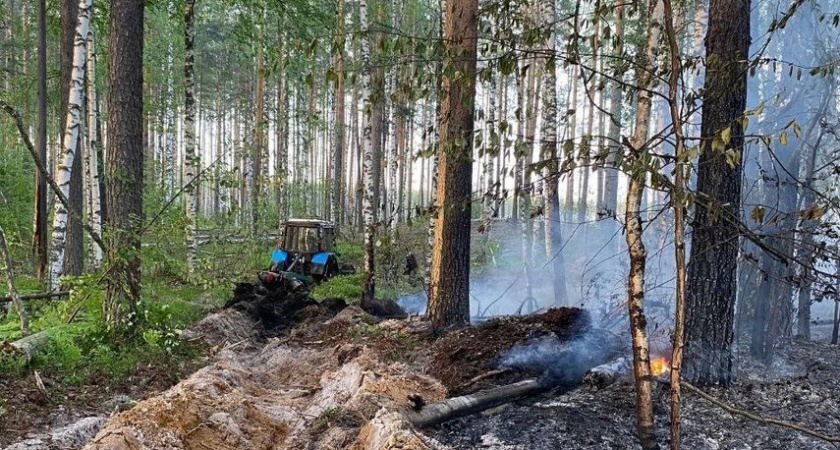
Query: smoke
[[594, 255], [558, 362]]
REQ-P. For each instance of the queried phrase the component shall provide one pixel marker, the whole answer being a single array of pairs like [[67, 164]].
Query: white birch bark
[[489, 157], [634, 230], [68, 147], [367, 159], [548, 151], [170, 124], [393, 164], [92, 155], [191, 162]]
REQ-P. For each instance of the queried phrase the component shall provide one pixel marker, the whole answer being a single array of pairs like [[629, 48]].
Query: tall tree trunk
[[393, 163], [568, 208], [94, 150], [522, 181], [192, 162], [259, 123], [678, 203], [39, 236], [72, 251], [338, 152], [488, 155], [634, 237], [281, 163], [435, 161], [125, 158], [616, 110], [368, 206], [711, 284], [554, 237], [500, 193], [75, 105], [587, 143], [805, 253], [219, 155], [449, 296]]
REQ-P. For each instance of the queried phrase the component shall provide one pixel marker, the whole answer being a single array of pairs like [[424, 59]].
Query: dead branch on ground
[[764, 420]]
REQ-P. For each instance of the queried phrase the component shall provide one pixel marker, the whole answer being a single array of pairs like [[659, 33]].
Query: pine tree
[[125, 159], [449, 294]]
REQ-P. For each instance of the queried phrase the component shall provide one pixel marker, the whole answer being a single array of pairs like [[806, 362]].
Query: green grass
[[347, 287], [85, 351]]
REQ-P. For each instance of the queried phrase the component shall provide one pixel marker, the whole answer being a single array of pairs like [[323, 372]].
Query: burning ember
[[658, 366]]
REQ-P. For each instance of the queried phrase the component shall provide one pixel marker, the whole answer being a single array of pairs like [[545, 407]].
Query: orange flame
[[659, 366]]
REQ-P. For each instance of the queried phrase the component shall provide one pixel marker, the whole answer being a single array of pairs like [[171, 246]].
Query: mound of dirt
[[462, 355], [227, 326], [277, 309], [281, 396]]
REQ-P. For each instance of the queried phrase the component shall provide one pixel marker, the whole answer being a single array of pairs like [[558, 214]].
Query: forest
[[419, 224]]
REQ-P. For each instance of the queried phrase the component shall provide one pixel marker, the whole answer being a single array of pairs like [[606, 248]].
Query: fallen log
[[607, 374], [38, 296], [27, 345], [465, 405]]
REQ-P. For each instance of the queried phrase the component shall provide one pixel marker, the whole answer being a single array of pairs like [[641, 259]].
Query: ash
[[802, 387]]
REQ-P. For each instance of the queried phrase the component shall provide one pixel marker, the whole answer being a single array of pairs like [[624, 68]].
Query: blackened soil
[[462, 355]]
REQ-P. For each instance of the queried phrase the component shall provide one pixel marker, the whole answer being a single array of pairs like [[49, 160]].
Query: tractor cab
[[305, 253]]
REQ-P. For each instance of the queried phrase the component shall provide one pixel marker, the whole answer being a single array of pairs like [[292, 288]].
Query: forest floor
[[292, 373], [32, 415], [802, 386]]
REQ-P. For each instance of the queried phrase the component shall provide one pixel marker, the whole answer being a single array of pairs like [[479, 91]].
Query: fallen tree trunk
[[607, 374], [29, 345], [39, 296], [456, 407]]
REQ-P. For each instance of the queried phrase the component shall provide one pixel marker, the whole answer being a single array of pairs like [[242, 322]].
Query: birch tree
[[553, 238], [69, 142], [94, 150], [367, 164], [633, 232], [191, 160]]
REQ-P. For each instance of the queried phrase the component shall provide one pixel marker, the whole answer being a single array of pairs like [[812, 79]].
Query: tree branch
[[42, 169], [766, 421]]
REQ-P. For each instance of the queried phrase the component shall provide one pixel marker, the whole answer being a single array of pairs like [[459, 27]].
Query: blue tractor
[[305, 255]]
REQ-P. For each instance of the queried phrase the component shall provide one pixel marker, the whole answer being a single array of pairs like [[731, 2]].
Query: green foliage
[[85, 350], [351, 252], [348, 287], [16, 199], [12, 365]]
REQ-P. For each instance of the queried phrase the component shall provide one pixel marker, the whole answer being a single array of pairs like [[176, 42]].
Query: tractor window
[[301, 239]]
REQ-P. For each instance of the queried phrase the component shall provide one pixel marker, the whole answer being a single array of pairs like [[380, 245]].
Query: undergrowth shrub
[[348, 287]]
